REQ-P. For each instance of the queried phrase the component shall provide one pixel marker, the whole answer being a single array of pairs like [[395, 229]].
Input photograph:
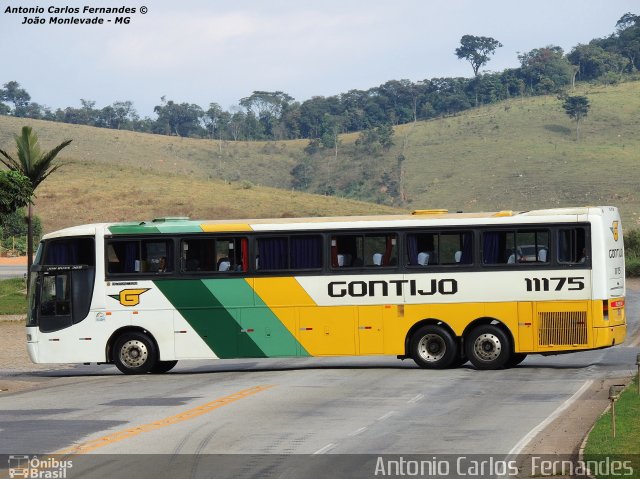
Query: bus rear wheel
[[433, 347], [135, 353], [515, 359], [488, 347]]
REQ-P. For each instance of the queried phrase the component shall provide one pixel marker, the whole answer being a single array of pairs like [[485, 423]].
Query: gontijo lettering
[[395, 287]]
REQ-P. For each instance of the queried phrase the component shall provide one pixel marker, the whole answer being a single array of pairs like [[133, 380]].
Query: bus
[[440, 288]]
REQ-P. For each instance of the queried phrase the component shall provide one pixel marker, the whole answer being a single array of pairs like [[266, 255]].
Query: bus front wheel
[[163, 367], [488, 347], [433, 347], [135, 353]]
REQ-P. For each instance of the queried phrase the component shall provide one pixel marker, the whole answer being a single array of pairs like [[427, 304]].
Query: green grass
[[626, 445], [13, 296]]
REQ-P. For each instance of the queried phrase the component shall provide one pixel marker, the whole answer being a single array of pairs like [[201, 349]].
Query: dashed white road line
[[416, 398], [326, 448], [358, 431], [386, 416]]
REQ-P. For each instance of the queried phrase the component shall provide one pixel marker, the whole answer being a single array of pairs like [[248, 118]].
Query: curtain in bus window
[[412, 249], [306, 252], [491, 247], [130, 257], [58, 253], [272, 253], [467, 249], [388, 252], [244, 247]]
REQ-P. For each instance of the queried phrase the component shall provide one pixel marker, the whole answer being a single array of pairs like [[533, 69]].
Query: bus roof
[[183, 225]]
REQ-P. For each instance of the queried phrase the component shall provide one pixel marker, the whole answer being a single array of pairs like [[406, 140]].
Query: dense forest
[[275, 115]]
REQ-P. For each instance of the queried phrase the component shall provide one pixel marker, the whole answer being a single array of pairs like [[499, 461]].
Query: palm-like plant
[[36, 165]]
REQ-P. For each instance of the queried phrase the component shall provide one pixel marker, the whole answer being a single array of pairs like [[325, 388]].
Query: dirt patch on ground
[[10, 261], [14, 360]]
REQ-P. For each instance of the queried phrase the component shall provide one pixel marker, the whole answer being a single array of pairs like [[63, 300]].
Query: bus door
[[62, 296]]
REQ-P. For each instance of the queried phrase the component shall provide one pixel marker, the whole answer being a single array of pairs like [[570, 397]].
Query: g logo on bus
[[614, 230], [129, 297]]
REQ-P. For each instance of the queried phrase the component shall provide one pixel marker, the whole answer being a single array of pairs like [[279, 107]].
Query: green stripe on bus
[[259, 323], [154, 228], [132, 229], [219, 328]]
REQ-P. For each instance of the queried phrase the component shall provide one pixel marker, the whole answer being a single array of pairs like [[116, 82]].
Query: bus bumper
[[609, 336], [32, 344]]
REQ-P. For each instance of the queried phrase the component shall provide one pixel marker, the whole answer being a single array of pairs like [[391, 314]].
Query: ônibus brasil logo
[[33, 467]]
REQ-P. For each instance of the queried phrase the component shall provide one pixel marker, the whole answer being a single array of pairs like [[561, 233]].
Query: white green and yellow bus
[[440, 288]]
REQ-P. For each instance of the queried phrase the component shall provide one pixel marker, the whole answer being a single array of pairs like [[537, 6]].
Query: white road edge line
[[358, 431], [517, 449], [326, 448]]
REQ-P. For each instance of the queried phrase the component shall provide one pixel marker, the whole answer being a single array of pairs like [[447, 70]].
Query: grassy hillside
[[523, 154], [122, 176], [520, 154]]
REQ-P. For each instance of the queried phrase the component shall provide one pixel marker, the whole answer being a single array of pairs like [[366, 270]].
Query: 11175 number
[[573, 283]]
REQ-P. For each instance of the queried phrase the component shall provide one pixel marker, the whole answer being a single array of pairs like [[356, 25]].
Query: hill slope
[[123, 176], [523, 154], [520, 154]]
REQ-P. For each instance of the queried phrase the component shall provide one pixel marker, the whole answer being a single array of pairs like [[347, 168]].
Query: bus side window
[[572, 246], [297, 252], [140, 256], [358, 251]]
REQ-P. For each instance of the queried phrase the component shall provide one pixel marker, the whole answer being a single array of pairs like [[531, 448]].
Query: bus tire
[[515, 359], [459, 361], [134, 353], [433, 347], [162, 367], [488, 347]]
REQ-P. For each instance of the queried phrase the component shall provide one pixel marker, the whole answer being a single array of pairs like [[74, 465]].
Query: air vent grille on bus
[[562, 328]]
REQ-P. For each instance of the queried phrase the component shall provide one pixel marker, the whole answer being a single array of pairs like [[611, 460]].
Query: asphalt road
[[262, 412], [11, 271]]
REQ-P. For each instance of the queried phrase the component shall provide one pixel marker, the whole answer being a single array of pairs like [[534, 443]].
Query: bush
[[13, 232], [632, 252]]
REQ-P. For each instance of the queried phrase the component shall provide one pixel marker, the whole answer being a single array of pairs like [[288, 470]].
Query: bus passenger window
[[515, 247], [450, 248], [299, 252], [140, 256], [357, 251], [207, 255], [572, 246]]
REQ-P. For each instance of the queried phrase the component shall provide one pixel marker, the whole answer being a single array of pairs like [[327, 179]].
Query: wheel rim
[[134, 353], [487, 347], [432, 347]]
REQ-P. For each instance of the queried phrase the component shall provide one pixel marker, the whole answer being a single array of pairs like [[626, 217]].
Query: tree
[[546, 70], [16, 95], [476, 50], [577, 108], [36, 165], [594, 62], [180, 119], [15, 191]]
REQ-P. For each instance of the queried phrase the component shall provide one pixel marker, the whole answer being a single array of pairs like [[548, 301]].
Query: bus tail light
[[605, 310]]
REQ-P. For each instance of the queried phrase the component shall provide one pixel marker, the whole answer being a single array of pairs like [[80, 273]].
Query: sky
[[204, 51]]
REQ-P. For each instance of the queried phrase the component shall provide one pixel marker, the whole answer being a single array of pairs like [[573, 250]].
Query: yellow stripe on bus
[[225, 227]]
